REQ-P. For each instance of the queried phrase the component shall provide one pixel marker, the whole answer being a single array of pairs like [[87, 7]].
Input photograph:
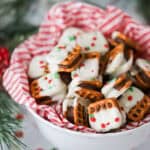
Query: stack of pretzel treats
[[100, 81]]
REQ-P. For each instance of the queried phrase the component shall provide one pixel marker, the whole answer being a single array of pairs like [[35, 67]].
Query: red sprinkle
[[130, 98], [94, 38], [103, 125], [92, 44], [108, 123], [19, 116], [41, 62], [45, 78], [82, 65], [49, 81], [106, 46], [75, 75], [93, 119], [117, 119]]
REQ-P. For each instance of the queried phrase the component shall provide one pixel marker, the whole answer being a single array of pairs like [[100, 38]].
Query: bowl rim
[[90, 135]]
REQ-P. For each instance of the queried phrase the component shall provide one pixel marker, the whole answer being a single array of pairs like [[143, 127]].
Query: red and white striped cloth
[[61, 16]]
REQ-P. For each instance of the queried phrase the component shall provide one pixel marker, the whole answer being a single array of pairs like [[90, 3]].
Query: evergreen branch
[[8, 124]]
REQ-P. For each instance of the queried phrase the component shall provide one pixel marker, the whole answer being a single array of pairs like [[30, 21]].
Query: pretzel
[[76, 112], [89, 94], [105, 115], [92, 55], [120, 37], [138, 112], [116, 87], [112, 54], [142, 75], [72, 61], [50, 86], [102, 104], [94, 84], [80, 115], [35, 90]]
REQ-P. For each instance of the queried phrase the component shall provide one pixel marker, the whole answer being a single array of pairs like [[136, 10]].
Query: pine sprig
[[8, 124]]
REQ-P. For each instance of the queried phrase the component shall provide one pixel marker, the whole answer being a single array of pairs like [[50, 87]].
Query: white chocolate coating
[[51, 85], [69, 36], [57, 55], [88, 70], [94, 41], [130, 98], [116, 62], [143, 64], [106, 120], [109, 91], [124, 67], [37, 67]]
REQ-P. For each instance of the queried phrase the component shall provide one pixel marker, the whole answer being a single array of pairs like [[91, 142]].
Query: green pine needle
[[8, 124]]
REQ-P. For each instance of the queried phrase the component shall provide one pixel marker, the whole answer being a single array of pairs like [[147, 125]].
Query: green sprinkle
[[58, 49], [72, 38], [91, 115], [131, 89], [49, 87], [56, 75], [87, 48]]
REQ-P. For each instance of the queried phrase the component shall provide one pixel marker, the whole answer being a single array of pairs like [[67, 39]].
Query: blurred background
[[20, 18]]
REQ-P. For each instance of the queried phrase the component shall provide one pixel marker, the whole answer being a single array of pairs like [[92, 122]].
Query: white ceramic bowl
[[65, 139]]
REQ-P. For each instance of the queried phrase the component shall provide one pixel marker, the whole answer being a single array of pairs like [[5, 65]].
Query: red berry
[[19, 116], [19, 134]]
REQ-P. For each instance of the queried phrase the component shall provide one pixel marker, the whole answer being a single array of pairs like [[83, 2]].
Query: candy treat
[[38, 67], [138, 112], [90, 90], [72, 61], [49, 85], [75, 110], [65, 77], [85, 89], [100, 82], [135, 103], [89, 68], [69, 36], [64, 58], [93, 41], [105, 115], [114, 59], [120, 60], [116, 87], [120, 37], [112, 43], [142, 73]]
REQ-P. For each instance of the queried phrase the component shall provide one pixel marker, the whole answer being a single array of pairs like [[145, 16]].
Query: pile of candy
[[101, 82]]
